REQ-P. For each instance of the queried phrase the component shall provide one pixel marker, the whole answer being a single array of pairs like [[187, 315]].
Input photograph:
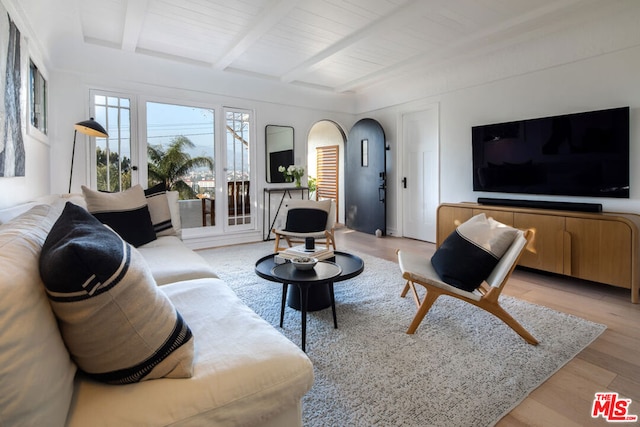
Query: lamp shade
[[91, 127]]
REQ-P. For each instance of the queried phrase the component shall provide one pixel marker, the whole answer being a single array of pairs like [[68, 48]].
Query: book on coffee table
[[300, 251]]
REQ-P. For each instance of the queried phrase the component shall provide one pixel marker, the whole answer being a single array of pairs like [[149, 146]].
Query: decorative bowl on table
[[304, 263]]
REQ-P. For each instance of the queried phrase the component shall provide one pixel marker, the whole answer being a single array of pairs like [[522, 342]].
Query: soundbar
[[541, 204]]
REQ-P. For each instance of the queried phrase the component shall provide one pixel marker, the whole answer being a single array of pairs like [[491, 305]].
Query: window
[[37, 99], [113, 154], [180, 153], [182, 146]]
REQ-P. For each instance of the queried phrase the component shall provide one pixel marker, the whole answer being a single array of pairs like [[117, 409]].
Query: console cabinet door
[[450, 217], [546, 249], [601, 251], [500, 216]]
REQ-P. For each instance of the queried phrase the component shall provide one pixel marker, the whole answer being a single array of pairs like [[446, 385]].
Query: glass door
[[240, 212]]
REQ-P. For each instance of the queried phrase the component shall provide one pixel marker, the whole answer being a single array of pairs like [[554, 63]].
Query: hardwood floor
[[610, 363]]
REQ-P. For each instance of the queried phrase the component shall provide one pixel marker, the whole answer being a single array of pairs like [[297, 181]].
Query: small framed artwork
[[364, 150]]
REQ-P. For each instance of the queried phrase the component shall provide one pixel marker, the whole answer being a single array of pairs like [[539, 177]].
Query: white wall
[[15, 190], [606, 81]]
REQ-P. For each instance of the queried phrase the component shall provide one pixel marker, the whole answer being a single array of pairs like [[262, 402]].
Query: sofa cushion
[[119, 327], [7, 214], [126, 212], [468, 255], [185, 264], [159, 211], [245, 371], [36, 372]]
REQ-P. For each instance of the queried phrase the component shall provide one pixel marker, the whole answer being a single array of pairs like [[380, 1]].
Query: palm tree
[[172, 165], [112, 174]]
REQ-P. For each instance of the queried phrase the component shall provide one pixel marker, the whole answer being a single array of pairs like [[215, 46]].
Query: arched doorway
[[325, 157]]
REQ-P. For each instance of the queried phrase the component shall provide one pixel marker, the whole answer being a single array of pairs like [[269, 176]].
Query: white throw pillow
[[174, 208]]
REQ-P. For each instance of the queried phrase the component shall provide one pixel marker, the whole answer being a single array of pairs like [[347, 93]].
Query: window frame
[[92, 177], [38, 132], [252, 225]]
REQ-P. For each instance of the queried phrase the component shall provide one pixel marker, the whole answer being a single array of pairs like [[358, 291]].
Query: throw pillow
[[125, 212], [303, 220], [469, 254], [118, 326], [159, 211], [174, 207]]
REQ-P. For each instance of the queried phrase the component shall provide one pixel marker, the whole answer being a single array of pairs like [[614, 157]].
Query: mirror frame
[[279, 151]]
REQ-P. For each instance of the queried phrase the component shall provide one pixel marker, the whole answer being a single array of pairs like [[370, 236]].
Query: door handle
[[381, 194], [404, 182]]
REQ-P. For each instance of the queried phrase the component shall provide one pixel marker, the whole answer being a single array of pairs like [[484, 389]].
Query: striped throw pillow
[[158, 203], [469, 254], [117, 324], [126, 212]]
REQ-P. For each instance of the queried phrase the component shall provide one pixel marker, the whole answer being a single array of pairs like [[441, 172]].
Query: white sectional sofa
[[245, 373]]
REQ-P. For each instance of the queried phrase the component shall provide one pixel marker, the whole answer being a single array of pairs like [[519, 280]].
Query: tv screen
[[583, 154]]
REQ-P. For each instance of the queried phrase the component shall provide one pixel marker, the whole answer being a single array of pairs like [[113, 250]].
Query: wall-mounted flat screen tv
[[583, 154]]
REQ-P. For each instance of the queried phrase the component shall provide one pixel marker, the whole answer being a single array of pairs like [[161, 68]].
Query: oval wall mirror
[[279, 151]]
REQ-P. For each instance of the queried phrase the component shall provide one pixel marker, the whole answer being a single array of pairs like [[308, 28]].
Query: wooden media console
[[600, 247]]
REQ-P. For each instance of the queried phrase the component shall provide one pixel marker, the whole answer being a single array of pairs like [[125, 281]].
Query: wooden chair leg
[[427, 302], [277, 248], [330, 239], [501, 314], [405, 290]]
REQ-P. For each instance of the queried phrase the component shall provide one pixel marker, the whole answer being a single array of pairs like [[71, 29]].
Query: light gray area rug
[[369, 372]]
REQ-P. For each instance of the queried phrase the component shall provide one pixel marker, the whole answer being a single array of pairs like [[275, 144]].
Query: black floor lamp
[[88, 127]]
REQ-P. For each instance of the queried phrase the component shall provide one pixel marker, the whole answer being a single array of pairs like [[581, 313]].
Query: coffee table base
[[319, 297], [303, 290]]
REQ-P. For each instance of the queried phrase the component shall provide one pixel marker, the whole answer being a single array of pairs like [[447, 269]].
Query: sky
[[165, 121]]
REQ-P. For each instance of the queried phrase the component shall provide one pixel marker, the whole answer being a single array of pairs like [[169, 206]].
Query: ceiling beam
[[133, 21], [489, 39], [383, 24], [275, 11]]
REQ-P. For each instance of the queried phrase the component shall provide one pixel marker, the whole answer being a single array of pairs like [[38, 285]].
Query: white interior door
[[420, 181]]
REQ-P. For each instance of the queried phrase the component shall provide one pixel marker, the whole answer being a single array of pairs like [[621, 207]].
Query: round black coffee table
[[313, 289]]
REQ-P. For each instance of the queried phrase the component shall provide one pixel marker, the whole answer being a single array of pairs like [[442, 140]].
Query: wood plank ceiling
[[338, 45]]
